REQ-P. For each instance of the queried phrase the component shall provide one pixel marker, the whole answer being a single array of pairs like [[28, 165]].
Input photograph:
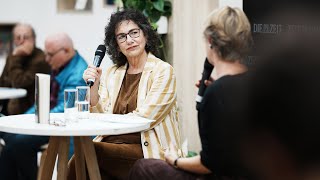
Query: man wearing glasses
[[21, 66]]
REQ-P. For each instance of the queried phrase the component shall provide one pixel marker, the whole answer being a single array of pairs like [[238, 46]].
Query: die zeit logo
[[284, 28], [267, 28]]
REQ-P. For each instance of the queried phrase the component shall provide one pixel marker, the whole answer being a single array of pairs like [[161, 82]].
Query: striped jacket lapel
[[117, 82], [145, 80]]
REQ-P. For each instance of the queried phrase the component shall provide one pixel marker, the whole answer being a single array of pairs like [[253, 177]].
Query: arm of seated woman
[[192, 164]]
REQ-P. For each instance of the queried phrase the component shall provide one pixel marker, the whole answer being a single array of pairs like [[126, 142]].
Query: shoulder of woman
[[114, 67], [153, 58], [158, 62]]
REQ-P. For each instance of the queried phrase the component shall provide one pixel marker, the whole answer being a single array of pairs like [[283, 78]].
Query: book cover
[[42, 98]]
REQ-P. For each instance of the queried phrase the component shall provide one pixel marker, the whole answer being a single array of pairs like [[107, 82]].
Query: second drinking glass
[[83, 102]]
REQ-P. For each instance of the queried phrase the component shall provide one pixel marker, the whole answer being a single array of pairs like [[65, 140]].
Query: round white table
[[11, 93], [84, 153]]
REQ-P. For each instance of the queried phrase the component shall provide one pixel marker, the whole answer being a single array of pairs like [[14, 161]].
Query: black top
[[222, 122]]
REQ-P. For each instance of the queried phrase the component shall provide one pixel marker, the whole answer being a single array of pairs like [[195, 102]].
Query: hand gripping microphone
[[207, 70], [98, 56]]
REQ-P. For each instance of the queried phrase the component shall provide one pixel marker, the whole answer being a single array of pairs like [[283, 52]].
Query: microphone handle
[[207, 70], [198, 106], [96, 62], [90, 82]]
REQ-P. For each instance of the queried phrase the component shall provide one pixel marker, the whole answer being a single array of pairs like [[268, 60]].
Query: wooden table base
[[85, 156]]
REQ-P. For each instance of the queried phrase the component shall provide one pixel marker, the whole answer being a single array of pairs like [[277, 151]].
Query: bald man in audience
[[18, 159]]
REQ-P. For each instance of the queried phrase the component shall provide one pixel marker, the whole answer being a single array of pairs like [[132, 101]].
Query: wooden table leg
[[50, 159], [63, 153], [79, 159], [40, 168], [91, 157]]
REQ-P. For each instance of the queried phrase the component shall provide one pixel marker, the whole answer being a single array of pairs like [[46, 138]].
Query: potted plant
[[153, 9]]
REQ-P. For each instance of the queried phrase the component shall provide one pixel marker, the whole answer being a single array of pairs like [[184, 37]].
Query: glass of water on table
[[83, 102], [70, 108]]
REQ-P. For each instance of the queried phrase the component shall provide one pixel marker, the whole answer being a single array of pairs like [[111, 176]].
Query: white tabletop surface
[[10, 93], [97, 124]]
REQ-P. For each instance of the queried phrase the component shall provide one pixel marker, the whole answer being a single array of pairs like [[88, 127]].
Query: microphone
[[98, 56], [207, 69]]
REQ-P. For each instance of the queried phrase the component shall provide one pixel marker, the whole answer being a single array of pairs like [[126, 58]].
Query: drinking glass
[[83, 101], [70, 108]]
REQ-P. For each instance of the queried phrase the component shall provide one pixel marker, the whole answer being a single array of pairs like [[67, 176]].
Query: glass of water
[[70, 108], [83, 101]]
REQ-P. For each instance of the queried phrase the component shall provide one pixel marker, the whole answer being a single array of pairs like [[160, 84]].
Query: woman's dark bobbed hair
[[152, 38]]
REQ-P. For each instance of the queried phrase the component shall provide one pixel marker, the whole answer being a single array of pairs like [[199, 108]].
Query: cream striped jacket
[[157, 100]]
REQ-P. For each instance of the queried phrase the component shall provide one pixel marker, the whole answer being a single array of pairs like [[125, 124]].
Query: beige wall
[[187, 53]]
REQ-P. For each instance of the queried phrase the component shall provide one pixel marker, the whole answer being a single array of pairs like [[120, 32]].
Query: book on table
[[42, 98]]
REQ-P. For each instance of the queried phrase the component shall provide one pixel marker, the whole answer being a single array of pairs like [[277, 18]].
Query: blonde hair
[[229, 32]]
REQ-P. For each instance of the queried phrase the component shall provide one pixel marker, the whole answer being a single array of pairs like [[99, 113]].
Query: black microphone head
[[98, 56], [207, 65], [101, 51]]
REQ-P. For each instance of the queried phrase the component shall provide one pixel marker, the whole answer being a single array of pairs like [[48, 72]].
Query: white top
[[11, 93], [97, 124]]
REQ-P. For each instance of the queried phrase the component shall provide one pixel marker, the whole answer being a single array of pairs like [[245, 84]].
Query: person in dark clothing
[[223, 110], [21, 66], [222, 124]]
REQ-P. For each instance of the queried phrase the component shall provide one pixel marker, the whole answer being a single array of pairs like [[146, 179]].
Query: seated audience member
[[139, 84], [19, 155], [21, 66], [223, 111]]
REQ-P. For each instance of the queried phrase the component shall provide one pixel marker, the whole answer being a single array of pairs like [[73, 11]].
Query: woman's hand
[[192, 164], [171, 154], [92, 72], [206, 82]]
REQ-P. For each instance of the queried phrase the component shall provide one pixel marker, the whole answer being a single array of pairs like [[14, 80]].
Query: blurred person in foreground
[[139, 84], [223, 111], [21, 66], [283, 143], [19, 156]]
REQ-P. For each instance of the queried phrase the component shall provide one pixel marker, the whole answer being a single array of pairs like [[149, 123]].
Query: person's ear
[[66, 50], [210, 43]]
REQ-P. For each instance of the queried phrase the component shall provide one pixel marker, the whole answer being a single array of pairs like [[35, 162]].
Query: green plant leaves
[[167, 8], [153, 14], [153, 9], [135, 4], [159, 5]]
